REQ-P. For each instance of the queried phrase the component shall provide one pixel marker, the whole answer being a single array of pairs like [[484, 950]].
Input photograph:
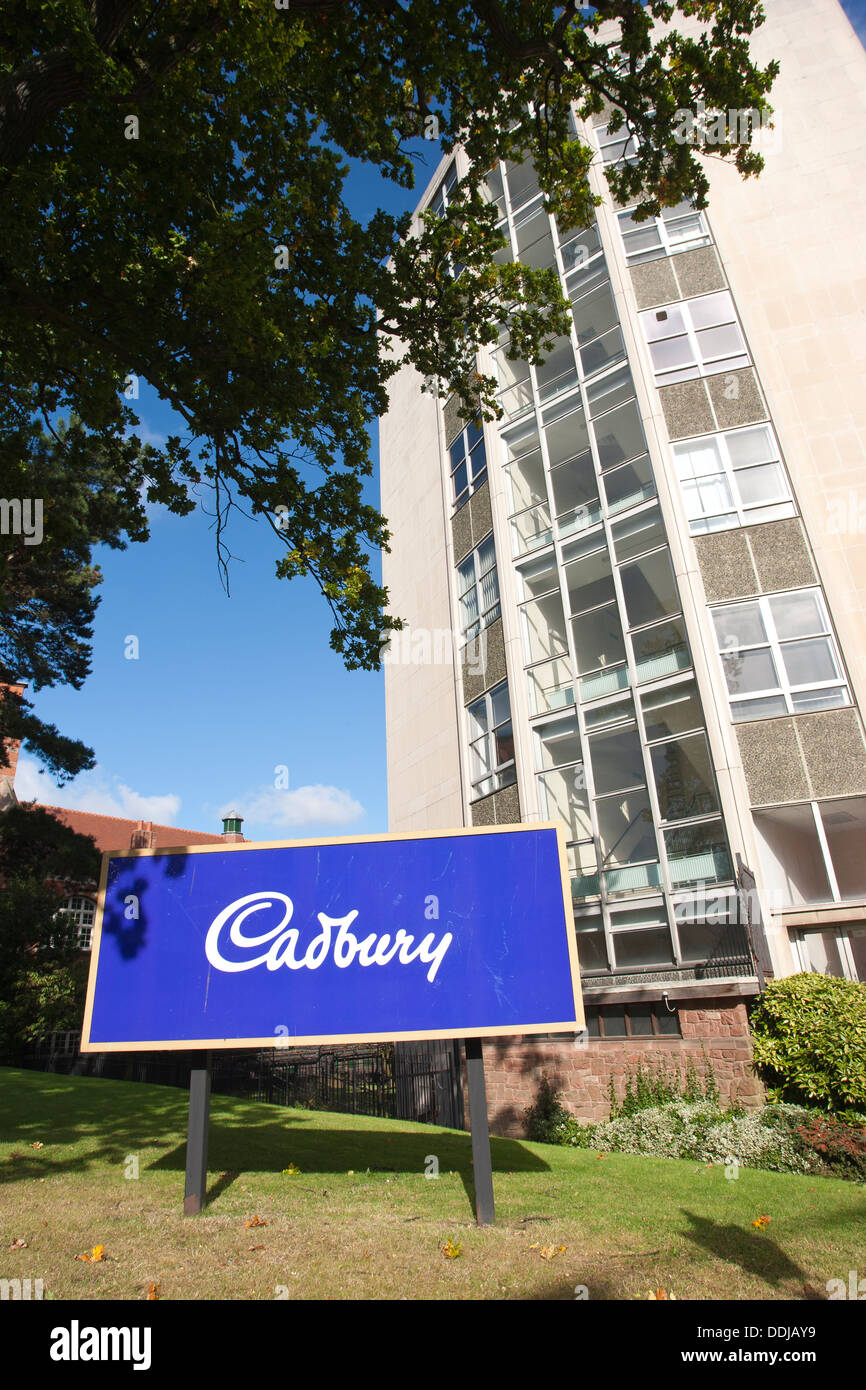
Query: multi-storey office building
[[655, 568]]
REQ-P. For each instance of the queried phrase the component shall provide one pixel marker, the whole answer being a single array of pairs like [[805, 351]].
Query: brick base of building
[[714, 1031]]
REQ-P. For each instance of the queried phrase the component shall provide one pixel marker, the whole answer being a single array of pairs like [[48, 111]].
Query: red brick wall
[[513, 1069]]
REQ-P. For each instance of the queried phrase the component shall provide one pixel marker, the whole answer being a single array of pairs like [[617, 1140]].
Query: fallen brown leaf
[[94, 1256]]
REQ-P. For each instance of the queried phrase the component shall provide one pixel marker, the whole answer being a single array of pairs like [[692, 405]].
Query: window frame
[[775, 646], [746, 514], [473, 479], [656, 1008], [75, 910], [699, 365], [666, 247], [497, 773], [842, 934], [485, 616], [621, 134], [64, 1043], [449, 180]]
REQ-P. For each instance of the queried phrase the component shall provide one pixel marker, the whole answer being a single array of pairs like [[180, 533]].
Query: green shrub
[[809, 1034], [548, 1121], [779, 1138], [645, 1089], [702, 1131]]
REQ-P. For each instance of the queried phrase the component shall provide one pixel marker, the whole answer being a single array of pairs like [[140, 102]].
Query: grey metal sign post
[[195, 1189], [482, 1163]]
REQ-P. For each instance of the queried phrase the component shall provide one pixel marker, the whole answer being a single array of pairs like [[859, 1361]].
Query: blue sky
[[856, 12], [231, 698]]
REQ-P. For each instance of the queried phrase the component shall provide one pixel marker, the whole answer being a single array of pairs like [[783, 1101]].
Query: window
[[557, 373], [563, 796], [695, 338], [551, 686], [478, 590], [652, 605], [596, 324], [673, 711], [677, 229], [591, 945], [79, 914], [550, 682], [685, 783], [582, 248], [538, 577], [813, 853], [641, 937], [711, 928], [491, 742], [619, 435], [598, 640], [531, 529], [572, 474], [839, 951], [535, 240], [439, 202], [524, 467], [493, 191], [622, 807], [515, 383], [779, 656], [616, 146], [61, 1044], [733, 479], [620, 444], [583, 871], [522, 183], [698, 854], [544, 628], [468, 462], [631, 1020], [438, 206], [562, 784]]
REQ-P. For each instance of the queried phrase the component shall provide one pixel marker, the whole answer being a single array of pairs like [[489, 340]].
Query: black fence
[[416, 1081]]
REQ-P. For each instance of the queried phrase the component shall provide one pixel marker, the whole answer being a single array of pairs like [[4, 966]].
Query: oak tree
[[174, 210]]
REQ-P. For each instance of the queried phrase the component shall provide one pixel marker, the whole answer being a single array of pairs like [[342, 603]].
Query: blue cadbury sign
[[448, 934]]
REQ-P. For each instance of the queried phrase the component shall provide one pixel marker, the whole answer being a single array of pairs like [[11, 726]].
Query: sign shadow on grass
[[333, 1151], [755, 1252]]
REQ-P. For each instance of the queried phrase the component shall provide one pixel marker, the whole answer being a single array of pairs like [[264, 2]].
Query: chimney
[[9, 748], [142, 836], [232, 828]]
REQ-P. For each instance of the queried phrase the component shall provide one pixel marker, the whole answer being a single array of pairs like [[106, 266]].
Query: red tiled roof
[[114, 833]]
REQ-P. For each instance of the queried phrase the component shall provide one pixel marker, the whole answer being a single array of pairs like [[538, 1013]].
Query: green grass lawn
[[361, 1220]]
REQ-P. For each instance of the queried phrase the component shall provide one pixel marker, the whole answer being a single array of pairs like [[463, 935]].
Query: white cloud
[[311, 805], [31, 785], [145, 433], [95, 791]]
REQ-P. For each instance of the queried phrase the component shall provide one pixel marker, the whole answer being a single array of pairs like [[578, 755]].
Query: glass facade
[[616, 744], [619, 746]]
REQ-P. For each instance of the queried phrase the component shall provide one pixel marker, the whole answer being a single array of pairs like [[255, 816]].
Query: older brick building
[[110, 833]]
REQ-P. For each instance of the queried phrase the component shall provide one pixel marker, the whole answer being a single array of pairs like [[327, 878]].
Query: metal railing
[[422, 1082]]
